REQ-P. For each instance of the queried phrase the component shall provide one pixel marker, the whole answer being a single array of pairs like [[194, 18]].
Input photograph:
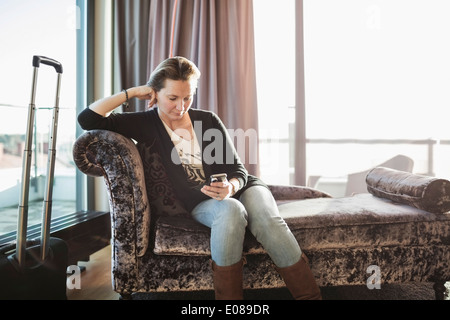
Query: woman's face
[[175, 99]]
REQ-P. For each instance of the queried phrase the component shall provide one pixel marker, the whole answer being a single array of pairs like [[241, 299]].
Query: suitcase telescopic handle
[[37, 60], [26, 166]]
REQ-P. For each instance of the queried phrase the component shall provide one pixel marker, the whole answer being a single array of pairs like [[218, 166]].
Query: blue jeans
[[257, 210]]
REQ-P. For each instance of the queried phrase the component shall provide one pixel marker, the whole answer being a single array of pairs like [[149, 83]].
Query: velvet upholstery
[[156, 246], [423, 192]]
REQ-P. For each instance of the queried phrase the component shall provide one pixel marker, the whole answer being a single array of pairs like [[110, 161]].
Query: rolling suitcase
[[36, 269]]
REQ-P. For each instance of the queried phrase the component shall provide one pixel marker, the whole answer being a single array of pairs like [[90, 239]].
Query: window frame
[[86, 230]]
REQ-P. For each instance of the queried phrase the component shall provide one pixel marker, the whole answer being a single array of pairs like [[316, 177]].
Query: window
[[45, 28], [377, 75], [377, 72], [275, 74]]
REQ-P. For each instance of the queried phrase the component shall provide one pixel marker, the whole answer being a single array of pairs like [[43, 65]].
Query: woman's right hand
[[144, 93]]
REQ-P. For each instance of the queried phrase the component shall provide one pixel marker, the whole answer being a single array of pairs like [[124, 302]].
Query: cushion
[[360, 221], [427, 193], [283, 193], [160, 191]]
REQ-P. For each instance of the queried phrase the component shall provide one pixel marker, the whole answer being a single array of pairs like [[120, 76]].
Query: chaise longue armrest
[[116, 158], [290, 192]]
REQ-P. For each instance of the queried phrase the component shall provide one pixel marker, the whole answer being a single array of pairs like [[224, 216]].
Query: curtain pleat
[[159, 26], [130, 52]]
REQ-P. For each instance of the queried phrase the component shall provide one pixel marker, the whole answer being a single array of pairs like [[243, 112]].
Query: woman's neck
[[182, 127]]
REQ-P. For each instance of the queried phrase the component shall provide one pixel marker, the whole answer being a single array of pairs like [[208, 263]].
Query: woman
[[194, 144]]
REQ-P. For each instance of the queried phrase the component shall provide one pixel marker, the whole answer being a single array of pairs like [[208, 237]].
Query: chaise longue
[[397, 232]]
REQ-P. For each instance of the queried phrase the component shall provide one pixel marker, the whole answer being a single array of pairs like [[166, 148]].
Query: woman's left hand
[[218, 190]]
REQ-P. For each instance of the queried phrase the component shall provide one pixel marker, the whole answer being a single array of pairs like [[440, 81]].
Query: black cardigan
[[218, 152]]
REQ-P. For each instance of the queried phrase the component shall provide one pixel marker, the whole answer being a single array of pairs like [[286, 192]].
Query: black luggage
[[36, 269]]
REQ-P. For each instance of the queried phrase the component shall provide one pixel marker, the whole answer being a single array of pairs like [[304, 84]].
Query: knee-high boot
[[228, 281], [300, 280]]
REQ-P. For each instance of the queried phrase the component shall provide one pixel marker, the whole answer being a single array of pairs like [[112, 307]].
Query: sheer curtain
[[217, 35]]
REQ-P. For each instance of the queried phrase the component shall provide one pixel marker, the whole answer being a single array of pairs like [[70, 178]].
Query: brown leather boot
[[228, 281], [300, 280]]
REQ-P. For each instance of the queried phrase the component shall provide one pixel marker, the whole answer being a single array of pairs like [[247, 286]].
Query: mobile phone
[[220, 177]]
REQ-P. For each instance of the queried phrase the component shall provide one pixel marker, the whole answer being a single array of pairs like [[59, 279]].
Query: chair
[[158, 247], [356, 182]]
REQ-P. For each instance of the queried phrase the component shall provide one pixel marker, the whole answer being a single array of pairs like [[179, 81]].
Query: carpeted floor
[[412, 291]]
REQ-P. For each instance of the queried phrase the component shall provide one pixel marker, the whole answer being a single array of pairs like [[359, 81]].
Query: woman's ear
[[152, 102]]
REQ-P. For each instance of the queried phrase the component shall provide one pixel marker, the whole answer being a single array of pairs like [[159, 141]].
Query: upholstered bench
[[343, 237], [157, 247]]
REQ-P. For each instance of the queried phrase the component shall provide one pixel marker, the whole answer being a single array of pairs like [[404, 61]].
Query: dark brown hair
[[176, 68]]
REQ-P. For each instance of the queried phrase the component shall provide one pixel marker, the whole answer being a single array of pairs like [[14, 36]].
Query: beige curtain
[[217, 35]]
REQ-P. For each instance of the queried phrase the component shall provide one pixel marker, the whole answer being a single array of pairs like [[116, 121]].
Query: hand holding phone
[[220, 192]]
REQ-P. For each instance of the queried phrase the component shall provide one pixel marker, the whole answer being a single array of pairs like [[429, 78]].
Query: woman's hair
[[176, 68]]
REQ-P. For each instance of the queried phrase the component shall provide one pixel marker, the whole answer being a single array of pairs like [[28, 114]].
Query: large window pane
[[376, 79], [30, 28], [377, 70], [275, 71]]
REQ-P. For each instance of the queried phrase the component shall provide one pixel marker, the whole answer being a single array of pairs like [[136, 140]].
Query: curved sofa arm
[[286, 193], [116, 158]]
